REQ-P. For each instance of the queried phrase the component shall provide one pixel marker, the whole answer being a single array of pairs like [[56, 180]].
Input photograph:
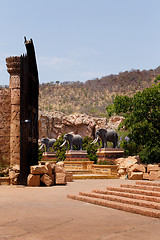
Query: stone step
[[129, 195], [148, 183], [121, 199], [76, 171], [134, 191], [116, 205], [143, 187], [93, 176]]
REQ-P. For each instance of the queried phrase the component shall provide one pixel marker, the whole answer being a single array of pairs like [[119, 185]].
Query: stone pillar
[[13, 68]]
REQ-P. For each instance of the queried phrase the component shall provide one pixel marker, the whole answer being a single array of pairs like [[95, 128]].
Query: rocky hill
[[93, 96]]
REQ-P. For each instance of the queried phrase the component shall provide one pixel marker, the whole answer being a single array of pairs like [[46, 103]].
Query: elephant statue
[[106, 135], [47, 143], [73, 139]]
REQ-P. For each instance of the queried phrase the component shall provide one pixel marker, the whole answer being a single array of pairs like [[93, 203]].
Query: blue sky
[[77, 40]]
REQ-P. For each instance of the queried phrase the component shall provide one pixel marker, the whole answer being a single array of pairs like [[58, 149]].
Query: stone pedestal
[[48, 156], [109, 154], [13, 68], [76, 155]]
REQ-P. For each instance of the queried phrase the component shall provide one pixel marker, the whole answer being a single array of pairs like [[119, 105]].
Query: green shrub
[[60, 151], [40, 155]]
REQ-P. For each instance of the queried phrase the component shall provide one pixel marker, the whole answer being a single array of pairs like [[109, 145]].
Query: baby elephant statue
[[73, 139], [106, 135], [48, 143]]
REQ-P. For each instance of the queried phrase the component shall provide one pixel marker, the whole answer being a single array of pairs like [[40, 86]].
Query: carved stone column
[[13, 68]]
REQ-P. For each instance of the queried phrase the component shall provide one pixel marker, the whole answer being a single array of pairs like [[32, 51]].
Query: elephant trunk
[[95, 140], [63, 143]]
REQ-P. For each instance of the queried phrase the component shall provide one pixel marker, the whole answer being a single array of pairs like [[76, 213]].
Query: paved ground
[[45, 213]]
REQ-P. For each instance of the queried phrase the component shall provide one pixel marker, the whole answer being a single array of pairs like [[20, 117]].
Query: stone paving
[[36, 213]]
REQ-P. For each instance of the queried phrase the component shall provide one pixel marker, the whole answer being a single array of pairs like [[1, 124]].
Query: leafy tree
[[86, 141], [142, 120], [60, 151]]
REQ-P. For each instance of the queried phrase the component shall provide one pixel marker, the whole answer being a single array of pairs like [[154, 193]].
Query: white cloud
[[57, 63]]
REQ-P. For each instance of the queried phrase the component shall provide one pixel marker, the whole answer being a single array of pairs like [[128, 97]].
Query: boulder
[[127, 162], [14, 174], [151, 167], [124, 165], [122, 173], [154, 175], [135, 175], [137, 168]]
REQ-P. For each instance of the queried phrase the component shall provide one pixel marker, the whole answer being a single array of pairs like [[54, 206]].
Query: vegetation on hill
[[93, 96], [142, 121]]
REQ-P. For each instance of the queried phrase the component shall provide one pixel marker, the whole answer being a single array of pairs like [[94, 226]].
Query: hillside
[[93, 96]]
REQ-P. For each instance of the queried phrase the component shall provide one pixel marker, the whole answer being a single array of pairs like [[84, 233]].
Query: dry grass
[[93, 96]]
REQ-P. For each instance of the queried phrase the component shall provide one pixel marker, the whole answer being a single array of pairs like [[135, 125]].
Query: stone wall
[[5, 119]]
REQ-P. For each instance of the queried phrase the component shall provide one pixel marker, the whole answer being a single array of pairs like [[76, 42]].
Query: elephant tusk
[[95, 141], [42, 145], [63, 143]]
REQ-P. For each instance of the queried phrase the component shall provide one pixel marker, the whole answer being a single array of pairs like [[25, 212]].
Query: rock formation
[[57, 123]]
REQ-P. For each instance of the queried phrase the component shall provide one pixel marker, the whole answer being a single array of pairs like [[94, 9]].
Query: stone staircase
[[88, 174], [141, 198]]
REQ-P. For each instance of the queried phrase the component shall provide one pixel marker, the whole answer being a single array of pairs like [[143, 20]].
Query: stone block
[[15, 81], [47, 180], [15, 128], [146, 176], [15, 157], [151, 167], [4, 181], [53, 178], [137, 168], [33, 180], [135, 176], [15, 113], [69, 177], [60, 164], [38, 169], [15, 144], [58, 169], [60, 178], [154, 175], [50, 167], [15, 96]]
